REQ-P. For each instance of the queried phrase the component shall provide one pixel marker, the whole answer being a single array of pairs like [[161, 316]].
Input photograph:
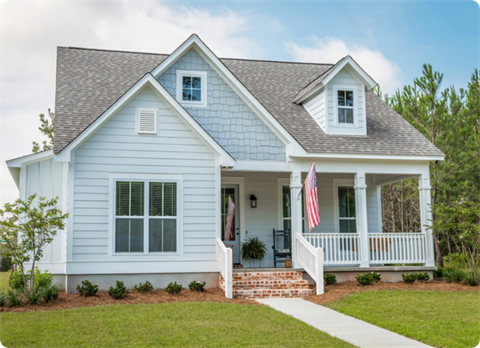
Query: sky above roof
[[389, 39]]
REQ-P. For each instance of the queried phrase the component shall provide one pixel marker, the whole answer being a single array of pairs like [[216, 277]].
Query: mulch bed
[[335, 292], [68, 301], [332, 293]]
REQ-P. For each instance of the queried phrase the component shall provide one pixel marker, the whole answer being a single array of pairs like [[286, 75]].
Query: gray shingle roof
[[90, 81]]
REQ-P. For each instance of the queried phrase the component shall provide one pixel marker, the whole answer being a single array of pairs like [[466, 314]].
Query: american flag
[[230, 215], [311, 201]]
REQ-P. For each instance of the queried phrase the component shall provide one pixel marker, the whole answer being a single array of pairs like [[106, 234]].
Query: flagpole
[[299, 193]]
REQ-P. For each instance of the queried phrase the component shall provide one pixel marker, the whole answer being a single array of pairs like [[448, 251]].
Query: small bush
[[145, 287], [453, 275], [174, 288], [438, 273], [49, 293], [12, 298], [329, 278], [3, 298], [409, 278], [119, 291], [471, 280], [5, 264], [40, 279], [87, 288], [34, 296], [196, 286], [368, 278], [423, 277]]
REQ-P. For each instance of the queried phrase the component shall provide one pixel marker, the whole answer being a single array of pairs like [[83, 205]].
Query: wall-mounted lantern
[[253, 201]]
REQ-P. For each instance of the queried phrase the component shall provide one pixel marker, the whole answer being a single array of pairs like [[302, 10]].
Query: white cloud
[[32, 31], [329, 50]]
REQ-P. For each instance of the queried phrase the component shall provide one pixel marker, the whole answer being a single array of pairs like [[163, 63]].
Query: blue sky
[[391, 40]]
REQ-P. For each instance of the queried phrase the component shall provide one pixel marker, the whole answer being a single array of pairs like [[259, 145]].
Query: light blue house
[[148, 148]]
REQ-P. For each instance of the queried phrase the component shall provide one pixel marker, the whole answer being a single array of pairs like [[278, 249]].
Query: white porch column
[[296, 205], [426, 216], [361, 213]]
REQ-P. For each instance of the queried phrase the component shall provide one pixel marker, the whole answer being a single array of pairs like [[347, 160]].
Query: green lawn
[[4, 280], [440, 319], [173, 325]]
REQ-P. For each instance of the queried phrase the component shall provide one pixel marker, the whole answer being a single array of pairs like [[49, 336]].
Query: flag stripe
[[311, 198]]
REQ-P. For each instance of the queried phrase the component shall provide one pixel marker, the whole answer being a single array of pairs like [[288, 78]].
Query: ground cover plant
[[160, 325], [437, 318]]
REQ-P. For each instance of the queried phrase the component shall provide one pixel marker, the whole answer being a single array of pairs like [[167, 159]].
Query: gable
[[227, 118]]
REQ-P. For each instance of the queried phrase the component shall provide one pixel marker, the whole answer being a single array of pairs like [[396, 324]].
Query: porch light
[[253, 201]]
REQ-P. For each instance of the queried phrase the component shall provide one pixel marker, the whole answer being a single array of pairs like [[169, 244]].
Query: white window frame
[[137, 120], [203, 90], [146, 178], [281, 182], [336, 184], [353, 89]]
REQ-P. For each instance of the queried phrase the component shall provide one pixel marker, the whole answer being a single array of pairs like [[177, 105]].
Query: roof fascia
[[367, 80], [147, 80], [195, 42], [381, 157], [29, 159]]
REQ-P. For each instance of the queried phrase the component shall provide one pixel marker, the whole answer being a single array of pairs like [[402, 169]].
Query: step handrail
[[310, 259], [225, 266]]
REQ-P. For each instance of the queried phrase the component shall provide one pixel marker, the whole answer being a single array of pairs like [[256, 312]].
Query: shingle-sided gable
[[227, 118]]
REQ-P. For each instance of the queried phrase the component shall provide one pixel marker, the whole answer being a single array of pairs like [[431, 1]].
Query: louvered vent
[[146, 121]]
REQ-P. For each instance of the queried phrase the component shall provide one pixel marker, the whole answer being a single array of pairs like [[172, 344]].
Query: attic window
[[146, 122], [345, 106], [192, 88]]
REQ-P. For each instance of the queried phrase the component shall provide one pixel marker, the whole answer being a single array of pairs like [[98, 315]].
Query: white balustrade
[[338, 248], [394, 248], [225, 266], [310, 259]]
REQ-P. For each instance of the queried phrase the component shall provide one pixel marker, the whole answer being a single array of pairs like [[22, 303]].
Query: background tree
[[46, 127], [27, 227]]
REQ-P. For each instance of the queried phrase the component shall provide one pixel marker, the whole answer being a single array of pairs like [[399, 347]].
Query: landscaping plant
[[368, 278], [253, 249], [87, 288], [119, 291], [409, 278], [453, 275], [49, 293], [174, 288], [145, 287], [12, 298], [3, 298], [196, 286], [329, 278]]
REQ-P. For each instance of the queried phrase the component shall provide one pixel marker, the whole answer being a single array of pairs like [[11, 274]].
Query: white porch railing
[[225, 266], [310, 259], [397, 247], [338, 248]]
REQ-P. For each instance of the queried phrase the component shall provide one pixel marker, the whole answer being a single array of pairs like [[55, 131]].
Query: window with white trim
[[347, 221], [287, 209], [145, 216], [192, 88], [345, 106]]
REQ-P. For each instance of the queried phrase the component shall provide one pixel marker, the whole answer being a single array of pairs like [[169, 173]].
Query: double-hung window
[[345, 106], [347, 220], [145, 217], [287, 209]]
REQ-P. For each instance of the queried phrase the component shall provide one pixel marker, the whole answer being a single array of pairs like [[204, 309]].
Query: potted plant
[[253, 249]]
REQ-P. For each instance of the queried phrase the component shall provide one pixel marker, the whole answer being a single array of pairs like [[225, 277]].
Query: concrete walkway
[[354, 331]]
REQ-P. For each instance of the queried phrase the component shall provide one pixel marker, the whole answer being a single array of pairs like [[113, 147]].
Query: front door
[[230, 219]]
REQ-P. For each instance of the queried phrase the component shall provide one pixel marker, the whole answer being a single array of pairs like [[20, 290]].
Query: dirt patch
[[68, 301], [337, 291]]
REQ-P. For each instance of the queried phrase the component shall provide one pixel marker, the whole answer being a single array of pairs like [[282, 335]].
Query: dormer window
[[192, 88], [345, 106]]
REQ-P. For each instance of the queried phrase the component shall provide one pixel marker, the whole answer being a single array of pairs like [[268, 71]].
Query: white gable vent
[[146, 121]]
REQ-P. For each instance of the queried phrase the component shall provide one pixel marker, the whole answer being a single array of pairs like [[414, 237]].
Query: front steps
[[261, 284]]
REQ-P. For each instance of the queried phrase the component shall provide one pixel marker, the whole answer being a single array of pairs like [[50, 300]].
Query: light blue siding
[[227, 118], [117, 148]]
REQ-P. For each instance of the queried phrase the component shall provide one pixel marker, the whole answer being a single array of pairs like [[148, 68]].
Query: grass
[[156, 325], [4, 280], [440, 319]]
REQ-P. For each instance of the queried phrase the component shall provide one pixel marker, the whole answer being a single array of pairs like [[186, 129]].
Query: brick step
[[259, 293], [271, 284], [266, 275]]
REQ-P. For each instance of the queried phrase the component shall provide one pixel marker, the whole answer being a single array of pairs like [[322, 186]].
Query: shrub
[[409, 278], [423, 277], [87, 288], [6, 264], [41, 279], [196, 286], [12, 298], [472, 280], [438, 273], [368, 278], [145, 287], [174, 288], [34, 296], [453, 275], [119, 291], [49, 293], [3, 298], [329, 278]]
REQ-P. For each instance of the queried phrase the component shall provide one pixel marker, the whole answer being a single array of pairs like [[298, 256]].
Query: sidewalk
[[354, 331]]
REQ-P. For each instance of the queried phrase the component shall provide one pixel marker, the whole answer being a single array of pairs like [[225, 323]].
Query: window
[[145, 216], [345, 106], [347, 221], [287, 209], [191, 87]]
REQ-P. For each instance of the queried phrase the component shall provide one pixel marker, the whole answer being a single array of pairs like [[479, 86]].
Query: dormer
[[336, 99]]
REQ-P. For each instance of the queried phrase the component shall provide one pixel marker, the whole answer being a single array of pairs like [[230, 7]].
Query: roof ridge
[[276, 61]]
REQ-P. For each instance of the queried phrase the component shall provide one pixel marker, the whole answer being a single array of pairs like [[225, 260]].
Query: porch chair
[[283, 247]]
